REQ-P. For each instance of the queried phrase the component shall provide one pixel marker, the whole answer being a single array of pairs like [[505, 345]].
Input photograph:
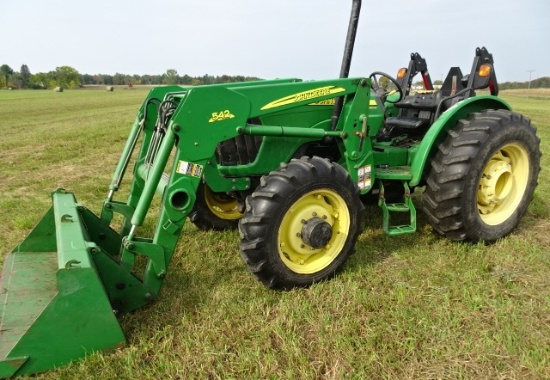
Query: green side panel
[[447, 120]]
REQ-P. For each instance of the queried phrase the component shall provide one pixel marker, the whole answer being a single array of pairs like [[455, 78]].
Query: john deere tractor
[[288, 162]]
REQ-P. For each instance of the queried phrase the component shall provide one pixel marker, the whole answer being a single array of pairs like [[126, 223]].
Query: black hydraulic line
[[165, 110], [149, 101], [346, 60]]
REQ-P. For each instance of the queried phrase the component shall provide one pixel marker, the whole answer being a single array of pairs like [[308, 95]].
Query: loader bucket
[[53, 304]]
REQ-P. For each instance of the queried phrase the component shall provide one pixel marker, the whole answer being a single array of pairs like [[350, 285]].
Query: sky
[[273, 39]]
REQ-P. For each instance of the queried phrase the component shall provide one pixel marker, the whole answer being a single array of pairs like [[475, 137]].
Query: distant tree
[[86, 79], [108, 79], [67, 77], [39, 81], [208, 79], [119, 79], [171, 77], [6, 71], [25, 75], [186, 79]]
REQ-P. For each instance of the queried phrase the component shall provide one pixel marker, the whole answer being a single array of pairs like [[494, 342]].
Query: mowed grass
[[408, 307]]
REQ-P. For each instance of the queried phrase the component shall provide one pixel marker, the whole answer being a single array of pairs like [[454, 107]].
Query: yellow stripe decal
[[326, 102], [305, 95]]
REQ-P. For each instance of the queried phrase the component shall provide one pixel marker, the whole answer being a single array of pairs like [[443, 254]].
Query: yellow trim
[[503, 184], [293, 251], [304, 95], [326, 102]]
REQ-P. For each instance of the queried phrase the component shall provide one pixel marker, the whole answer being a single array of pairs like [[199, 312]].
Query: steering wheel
[[382, 92]]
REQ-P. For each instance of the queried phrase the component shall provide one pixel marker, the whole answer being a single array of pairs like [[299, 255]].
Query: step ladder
[[405, 206]]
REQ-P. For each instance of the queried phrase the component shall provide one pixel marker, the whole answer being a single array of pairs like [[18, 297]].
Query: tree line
[[543, 82], [67, 77]]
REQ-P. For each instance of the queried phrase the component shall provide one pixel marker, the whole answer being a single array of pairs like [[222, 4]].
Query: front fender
[[437, 132]]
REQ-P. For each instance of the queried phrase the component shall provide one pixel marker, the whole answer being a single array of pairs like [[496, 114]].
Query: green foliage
[[543, 82], [25, 75], [5, 72], [66, 77], [170, 77], [63, 76]]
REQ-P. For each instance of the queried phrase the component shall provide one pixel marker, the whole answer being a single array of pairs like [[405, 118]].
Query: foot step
[[402, 207]]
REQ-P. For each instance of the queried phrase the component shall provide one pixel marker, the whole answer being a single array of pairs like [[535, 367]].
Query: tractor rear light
[[484, 71], [401, 73]]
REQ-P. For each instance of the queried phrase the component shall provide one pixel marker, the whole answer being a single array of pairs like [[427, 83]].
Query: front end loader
[[289, 162]]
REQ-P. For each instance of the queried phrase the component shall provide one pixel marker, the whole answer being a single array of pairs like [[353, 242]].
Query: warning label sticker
[[364, 177], [190, 169]]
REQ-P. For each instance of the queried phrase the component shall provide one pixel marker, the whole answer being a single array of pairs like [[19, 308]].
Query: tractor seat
[[421, 101], [407, 122], [419, 110], [416, 111]]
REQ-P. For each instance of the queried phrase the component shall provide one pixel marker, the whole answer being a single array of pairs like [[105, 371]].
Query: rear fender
[[438, 130]]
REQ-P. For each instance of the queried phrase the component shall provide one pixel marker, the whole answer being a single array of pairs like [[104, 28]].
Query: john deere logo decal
[[305, 95]]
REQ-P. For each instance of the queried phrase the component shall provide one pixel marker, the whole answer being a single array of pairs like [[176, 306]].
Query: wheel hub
[[316, 233], [495, 185]]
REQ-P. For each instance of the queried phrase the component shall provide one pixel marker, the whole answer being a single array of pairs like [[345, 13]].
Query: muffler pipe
[[346, 60]]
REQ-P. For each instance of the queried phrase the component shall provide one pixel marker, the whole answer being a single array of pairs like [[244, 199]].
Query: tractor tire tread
[[451, 186], [266, 202]]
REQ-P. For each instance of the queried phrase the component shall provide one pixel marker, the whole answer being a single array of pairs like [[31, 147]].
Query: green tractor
[[288, 162]]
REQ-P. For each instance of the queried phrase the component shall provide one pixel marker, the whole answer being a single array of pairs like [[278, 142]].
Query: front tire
[[301, 223], [483, 177]]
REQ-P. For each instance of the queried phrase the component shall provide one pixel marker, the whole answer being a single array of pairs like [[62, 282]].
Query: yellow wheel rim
[[503, 184], [323, 204], [221, 205]]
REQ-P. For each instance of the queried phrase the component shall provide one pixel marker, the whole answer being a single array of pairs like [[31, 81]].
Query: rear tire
[[301, 223], [214, 211], [483, 177]]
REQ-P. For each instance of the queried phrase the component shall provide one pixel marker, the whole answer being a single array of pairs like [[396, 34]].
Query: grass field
[[408, 307]]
